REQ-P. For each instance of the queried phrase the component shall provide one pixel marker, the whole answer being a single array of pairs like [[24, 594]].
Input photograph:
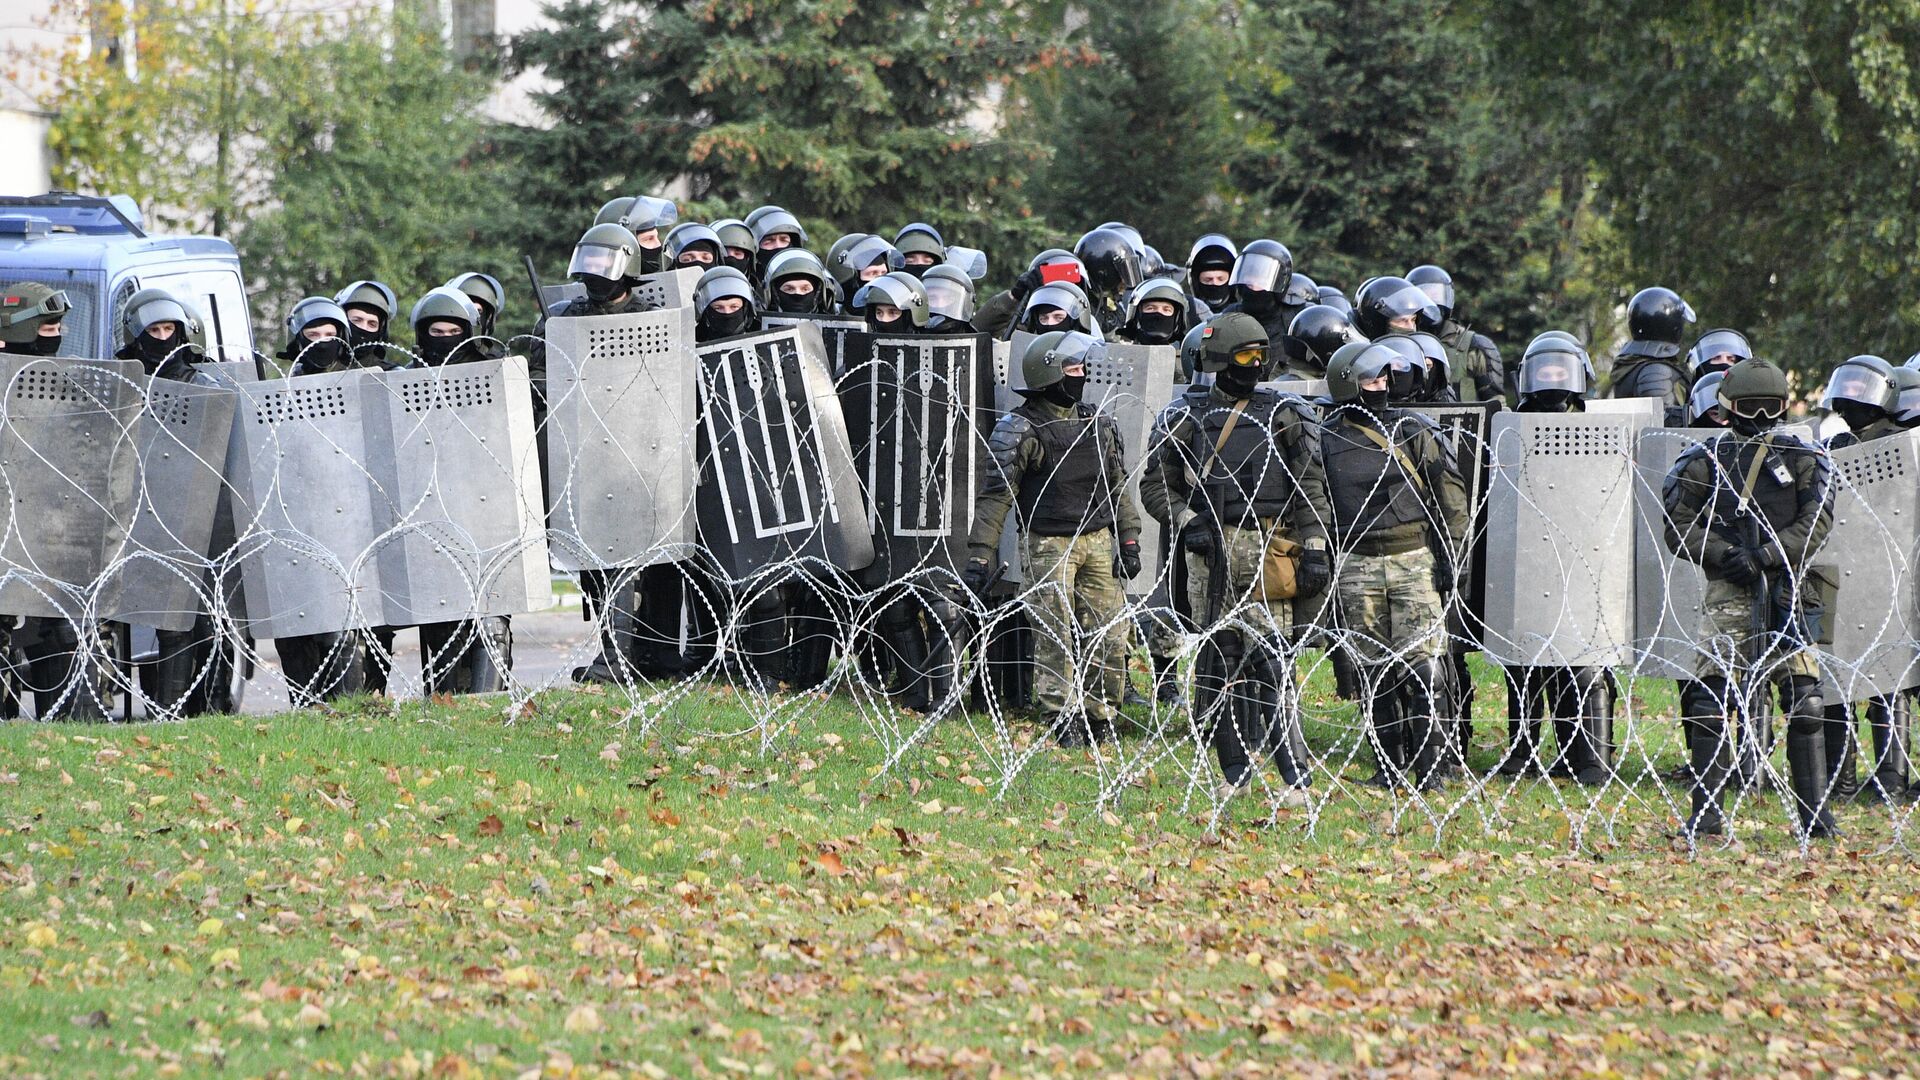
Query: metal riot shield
[[160, 580], [913, 407], [669, 288], [1667, 590], [1466, 428], [1560, 529], [303, 492], [1871, 557], [620, 444], [69, 459], [564, 292], [465, 523], [1133, 385], [777, 475], [834, 333]]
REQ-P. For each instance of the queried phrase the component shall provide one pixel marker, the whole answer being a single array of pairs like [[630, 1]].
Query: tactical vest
[[1249, 478], [1066, 493], [1778, 504], [1369, 489]]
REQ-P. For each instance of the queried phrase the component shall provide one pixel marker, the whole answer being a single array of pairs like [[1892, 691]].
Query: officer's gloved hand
[[1314, 573], [1739, 566], [1026, 283], [1126, 564], [976, 576], [1197, 539], [1446, 580]]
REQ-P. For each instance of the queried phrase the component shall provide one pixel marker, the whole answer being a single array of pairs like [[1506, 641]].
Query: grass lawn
[[432, 890]]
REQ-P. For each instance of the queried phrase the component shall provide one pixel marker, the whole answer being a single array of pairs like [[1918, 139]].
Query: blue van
[[97, 250]]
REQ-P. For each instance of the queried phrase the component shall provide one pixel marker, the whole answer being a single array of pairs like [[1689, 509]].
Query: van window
[[222, 303], [78, 331]]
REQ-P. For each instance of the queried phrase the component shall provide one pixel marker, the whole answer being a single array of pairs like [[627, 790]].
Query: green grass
[[434, 890]]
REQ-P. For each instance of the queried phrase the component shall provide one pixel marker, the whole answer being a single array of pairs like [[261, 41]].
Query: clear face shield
[[1256, 272], [594, 260]]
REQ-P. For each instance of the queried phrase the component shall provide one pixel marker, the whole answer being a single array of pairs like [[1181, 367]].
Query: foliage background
[[1555, 157]]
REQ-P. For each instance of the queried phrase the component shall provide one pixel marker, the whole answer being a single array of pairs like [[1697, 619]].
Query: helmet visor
[[1721, 348], [1256, 271], [1908, 410], [948, 298], [1705, 397], [1553, 371], [1440, 292], [1754, 408], [595, 260], [1410, 301], [972, 261], [648, 212], [1853, 382], [159, 311], [1250, 356]]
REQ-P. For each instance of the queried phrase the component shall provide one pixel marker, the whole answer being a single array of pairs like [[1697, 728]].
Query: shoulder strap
[[1753, 470], [1399, 455], [1226, 429]]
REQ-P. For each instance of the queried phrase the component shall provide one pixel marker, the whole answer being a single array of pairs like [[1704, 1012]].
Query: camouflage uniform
[[1071, 594]]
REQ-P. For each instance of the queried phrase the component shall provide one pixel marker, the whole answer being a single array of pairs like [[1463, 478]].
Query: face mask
[[435, 351], [46, 346], [152, 350], [369, 346], [749, 266], [1551, 401], [1214, 296], [327, 354], [600, 290], [1068, 390], [1239, 381], [1157, 329], [919, 271], [1374, 401], [650, 260], [717, 325], [1259, 303], [1857, 415], [802, 305], [1751, 425]]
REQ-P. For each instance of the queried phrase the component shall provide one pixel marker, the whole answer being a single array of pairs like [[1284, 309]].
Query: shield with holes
[[1132, 385], [1870, 557], [777, 476], [1667, 590], [69, 459], [915, 409], [1560, 530], [160, 579], [620, 438]]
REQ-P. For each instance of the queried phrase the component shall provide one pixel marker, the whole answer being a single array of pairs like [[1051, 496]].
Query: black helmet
[[1264, 265], [949, 296], [1657, 318], [1718, 350], [1235, 340], [1300, 291], [1315, 334], [1156, 330], [1703, 401], [1331, 296], [1112, 262], [1355, 364], [1132, 234], [1048, 356], [1439, 370], [1213, 251], [1753, 395], [1437, 284], [724, 283], [790, 264], [1407, 381], [1863, 381], [896, 289], [1384, 299]]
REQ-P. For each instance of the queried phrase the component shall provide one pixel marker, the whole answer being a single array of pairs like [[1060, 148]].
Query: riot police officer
[[1716, 350], [1473, 360], [1314, 336], [998, 314], [1209, 270], [1062, 465], [1113, 271], [1753, 508], [949, 299], [893, 303], [736, 246], [1156, 314], [1399, 512], [724, 305], [1863, 392], [317, 341], [774, 232], [860, 262], [1260, 278], [446, 328], [648, 218], [370, 307], [691, 245], [796, 283], [1557, 377], [1649, 364], [1059, 306], [487, 296], [1235, 470], [921, 248]]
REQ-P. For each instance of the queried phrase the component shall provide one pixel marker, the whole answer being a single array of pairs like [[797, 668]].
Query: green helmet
[[444, 304], [1224, 337], [1190, 352], [25, 305], [607, 250], [639, 214], [155, 305], [376, 296], [898, 290], [733, 233], [1047, 356], [1355, 363], [1754, 389]]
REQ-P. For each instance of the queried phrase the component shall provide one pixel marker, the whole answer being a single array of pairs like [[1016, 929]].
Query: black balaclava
[[326, 354], [369, 346], [46, 345], [1259, 303], [1858, 415], [1239, 381], [717, 325], [1067, 392], [1374, 401], [435, 351], [796, 305], [602, 289], [1157, 329]]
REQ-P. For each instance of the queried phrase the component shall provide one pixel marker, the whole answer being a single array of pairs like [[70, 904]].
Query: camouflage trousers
[[1388, 607], [1271, 620], [1727, 643], [1080, 641]]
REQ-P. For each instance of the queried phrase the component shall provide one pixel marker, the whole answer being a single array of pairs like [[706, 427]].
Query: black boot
[[619, 635], [1709, 763], [1887, 716], [1807, 758], [1841, 744], [1583, 695], [1070, 729], [1425, 732], [1166, 682], [174, 674], [1523, 724], [1388, 724]]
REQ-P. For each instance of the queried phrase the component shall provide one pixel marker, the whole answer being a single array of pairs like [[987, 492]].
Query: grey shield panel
[[1311, 389], [668, 289], [620, 443], [302, 488], [463, 513], [1667, 590], [1132, 385], [183, 435], [1871, 557], [564, 292], [778, 479], [913, 406], [69, 457], [1560, 528]]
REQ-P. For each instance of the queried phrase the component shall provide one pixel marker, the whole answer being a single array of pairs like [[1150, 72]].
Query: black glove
[[1740, 567], [1126, 564], [1026, 283], [1197, 539], [1445, 580], [976, 576], [1766, 558], [1314, 573]]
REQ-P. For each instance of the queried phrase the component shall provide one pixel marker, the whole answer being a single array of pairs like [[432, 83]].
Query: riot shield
[[1133, 385], [1466, 428], [777, 475], [1870, 555], [69, 459], [182, 436], [1560, 530], [466, 535], [1667, 590], [668, 288], [620, 448], [913, 407], [835, 330]]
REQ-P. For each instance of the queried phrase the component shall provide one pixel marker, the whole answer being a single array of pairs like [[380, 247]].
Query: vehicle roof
[[70, 251]]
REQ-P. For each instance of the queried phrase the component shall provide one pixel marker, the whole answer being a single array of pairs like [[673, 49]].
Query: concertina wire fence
[[816, 471]]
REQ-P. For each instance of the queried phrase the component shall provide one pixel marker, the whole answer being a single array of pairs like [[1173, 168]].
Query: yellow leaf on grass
[[584, 1020], [210, 928], [42, 936], [524, 977]]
